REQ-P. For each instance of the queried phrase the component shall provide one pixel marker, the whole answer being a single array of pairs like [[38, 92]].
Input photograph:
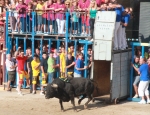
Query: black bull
[[67, 91]]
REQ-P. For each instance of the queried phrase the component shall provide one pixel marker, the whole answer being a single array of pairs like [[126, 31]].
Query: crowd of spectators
[[42, 70], [141, 75], [50, 17]]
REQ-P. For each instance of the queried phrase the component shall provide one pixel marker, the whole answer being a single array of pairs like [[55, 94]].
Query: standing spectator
[[29, 68], [50, 15], [83, 7], [136, 66], [124, 23], [79, 66], [39, 8], [74, 17], [92, 12], [16, 19], [90, 64], [57, 62], [51, 67], [35, 64], [144, 81], [44, 68], [29, 17], [70, 65], [62, 62], [21, 8], [119, 10], [11, 67], [60, 16], [21, 59]]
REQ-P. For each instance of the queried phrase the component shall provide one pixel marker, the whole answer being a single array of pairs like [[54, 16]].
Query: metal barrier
[[50, 23], [133, 44]]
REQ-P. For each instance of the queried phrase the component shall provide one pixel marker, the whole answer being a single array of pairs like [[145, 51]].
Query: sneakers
[[82, 34], [27, 86], [34, 92], [148, 101], [20, 93], [142, 102], [136, 96], [41, 93]]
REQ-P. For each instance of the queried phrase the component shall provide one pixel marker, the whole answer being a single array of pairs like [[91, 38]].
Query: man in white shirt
[[10, 66]]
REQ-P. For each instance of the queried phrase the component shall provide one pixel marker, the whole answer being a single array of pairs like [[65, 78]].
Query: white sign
[[103, 34]]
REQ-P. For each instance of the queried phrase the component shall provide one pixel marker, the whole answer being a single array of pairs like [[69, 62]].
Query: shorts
[[23, 74], [77, 75], [50, 22], [34, 80], [69, 74], [39, 19], [75, 26], [44, 21], [11, 75], [137, 80], [44, 79]]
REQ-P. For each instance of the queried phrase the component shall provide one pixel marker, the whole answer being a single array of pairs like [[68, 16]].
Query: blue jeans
[[50, 77], [23, 23]]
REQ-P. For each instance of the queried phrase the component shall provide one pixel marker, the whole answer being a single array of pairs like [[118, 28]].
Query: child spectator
[[51, 67], [21, 8], [60, 16], [75, 17], [50, 16], [92, 12], [44, 67], [79, 66], [63, 62], [39, 9], [35, 64], [70, 65]]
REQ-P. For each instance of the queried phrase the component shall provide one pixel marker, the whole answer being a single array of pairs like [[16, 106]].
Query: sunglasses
[[67, 4]]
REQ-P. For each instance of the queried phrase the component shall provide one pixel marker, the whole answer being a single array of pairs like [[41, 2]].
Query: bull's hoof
[[79, 102], [62, 110], [85, 106]]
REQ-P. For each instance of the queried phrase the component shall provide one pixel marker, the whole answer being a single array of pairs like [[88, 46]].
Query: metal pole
[[7, 14], [142, 51], [24, 84], [66, 40], [85, 56], [131, 75], [49, 47]]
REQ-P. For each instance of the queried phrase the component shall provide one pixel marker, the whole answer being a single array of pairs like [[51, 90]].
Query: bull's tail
[[95, 87]]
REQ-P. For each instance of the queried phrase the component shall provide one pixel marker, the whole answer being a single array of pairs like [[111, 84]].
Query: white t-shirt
[[2, 58], [9, 64]]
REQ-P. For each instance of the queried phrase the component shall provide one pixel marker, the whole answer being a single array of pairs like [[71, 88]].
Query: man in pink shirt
[[22, 8]]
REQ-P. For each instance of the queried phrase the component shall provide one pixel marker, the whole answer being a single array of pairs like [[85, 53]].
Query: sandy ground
[[13, 104]]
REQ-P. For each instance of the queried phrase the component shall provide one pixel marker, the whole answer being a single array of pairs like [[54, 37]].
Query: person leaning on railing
[[92, 12]]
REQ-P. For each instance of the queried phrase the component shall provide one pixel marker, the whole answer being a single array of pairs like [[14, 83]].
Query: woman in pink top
[[50, 15], [21, 8], [83, 7], [60, 16]]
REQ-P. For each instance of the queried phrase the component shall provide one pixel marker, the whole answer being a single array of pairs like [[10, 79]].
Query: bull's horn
[[54, 85]]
